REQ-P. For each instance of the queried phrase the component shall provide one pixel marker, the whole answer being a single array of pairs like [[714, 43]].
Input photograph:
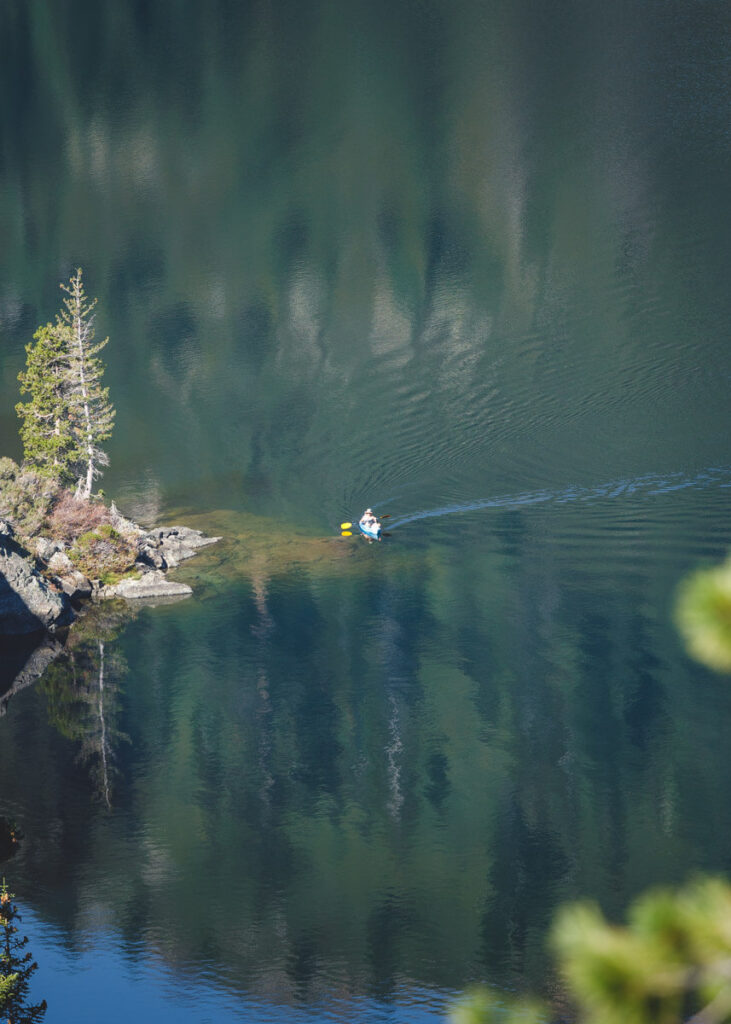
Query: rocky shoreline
[[41, 589]]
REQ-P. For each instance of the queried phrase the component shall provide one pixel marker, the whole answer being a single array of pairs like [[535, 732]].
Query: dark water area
[[466, 263]]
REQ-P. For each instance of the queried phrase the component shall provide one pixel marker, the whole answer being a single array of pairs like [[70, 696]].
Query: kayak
[[372, 532]]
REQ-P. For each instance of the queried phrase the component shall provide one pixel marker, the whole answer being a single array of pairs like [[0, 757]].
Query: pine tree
[[69, 414], [16, 967], [90, 409], [49, 439]]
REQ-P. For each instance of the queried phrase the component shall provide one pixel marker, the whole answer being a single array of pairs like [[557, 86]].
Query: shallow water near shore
[[466, 264]]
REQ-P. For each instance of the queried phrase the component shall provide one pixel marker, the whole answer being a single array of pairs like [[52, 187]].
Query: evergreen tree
[[16, 968], [69, 414], [90, 409], [48, 431]]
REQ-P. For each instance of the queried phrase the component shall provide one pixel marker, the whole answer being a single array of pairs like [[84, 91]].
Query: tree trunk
[[78, 330]]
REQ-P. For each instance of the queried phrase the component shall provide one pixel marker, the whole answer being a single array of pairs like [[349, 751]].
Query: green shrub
[[102, 554], [8, 469], [26, 497]]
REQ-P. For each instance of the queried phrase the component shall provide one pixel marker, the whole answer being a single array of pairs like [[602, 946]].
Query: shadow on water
[[24, 660], [80, 674]]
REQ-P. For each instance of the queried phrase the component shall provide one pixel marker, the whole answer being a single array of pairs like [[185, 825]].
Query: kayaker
[[368, 519]]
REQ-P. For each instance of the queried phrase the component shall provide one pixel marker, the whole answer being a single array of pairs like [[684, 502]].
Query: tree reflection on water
[[83, 691]]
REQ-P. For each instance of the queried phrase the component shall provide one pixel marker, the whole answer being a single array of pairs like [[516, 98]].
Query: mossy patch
[[103, 554]]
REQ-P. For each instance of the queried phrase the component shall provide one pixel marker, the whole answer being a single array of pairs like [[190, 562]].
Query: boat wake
[[648, 485]]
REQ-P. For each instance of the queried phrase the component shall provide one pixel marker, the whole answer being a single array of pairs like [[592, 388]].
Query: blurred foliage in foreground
[[670, 964], [703, 616]]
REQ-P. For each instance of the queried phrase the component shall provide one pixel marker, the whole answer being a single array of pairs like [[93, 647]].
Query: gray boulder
[[152, 584], [127, 527], [176, 543], [59, 562], [28, 603], [151, 557], [45, 548], [74, 584]]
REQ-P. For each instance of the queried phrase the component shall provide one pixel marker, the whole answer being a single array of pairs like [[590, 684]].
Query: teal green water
[[466, 263]]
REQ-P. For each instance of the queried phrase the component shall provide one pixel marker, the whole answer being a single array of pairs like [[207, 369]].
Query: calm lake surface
[[466, 262]]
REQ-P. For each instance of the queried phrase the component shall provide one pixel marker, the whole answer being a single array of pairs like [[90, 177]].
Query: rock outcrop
[[168, 547], [33, 601], [157, 550], [28, 602]]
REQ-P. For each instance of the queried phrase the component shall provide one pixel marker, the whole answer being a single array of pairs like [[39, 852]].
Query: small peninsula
[[61, 545]]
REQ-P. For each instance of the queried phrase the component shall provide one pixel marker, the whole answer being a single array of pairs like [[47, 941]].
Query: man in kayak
[[368, 520]]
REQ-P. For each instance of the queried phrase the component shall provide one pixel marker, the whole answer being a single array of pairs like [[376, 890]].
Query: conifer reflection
[[83, 691]]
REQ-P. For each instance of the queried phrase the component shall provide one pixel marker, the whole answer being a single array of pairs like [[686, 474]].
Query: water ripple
[[650, 485]]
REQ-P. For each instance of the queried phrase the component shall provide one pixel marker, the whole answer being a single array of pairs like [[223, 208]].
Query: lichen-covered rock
[[28, 603]]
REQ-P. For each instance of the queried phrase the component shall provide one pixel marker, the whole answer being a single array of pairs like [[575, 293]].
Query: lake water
[[464, 262]]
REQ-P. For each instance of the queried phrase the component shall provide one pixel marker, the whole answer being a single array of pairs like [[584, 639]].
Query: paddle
[[349, 533]]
